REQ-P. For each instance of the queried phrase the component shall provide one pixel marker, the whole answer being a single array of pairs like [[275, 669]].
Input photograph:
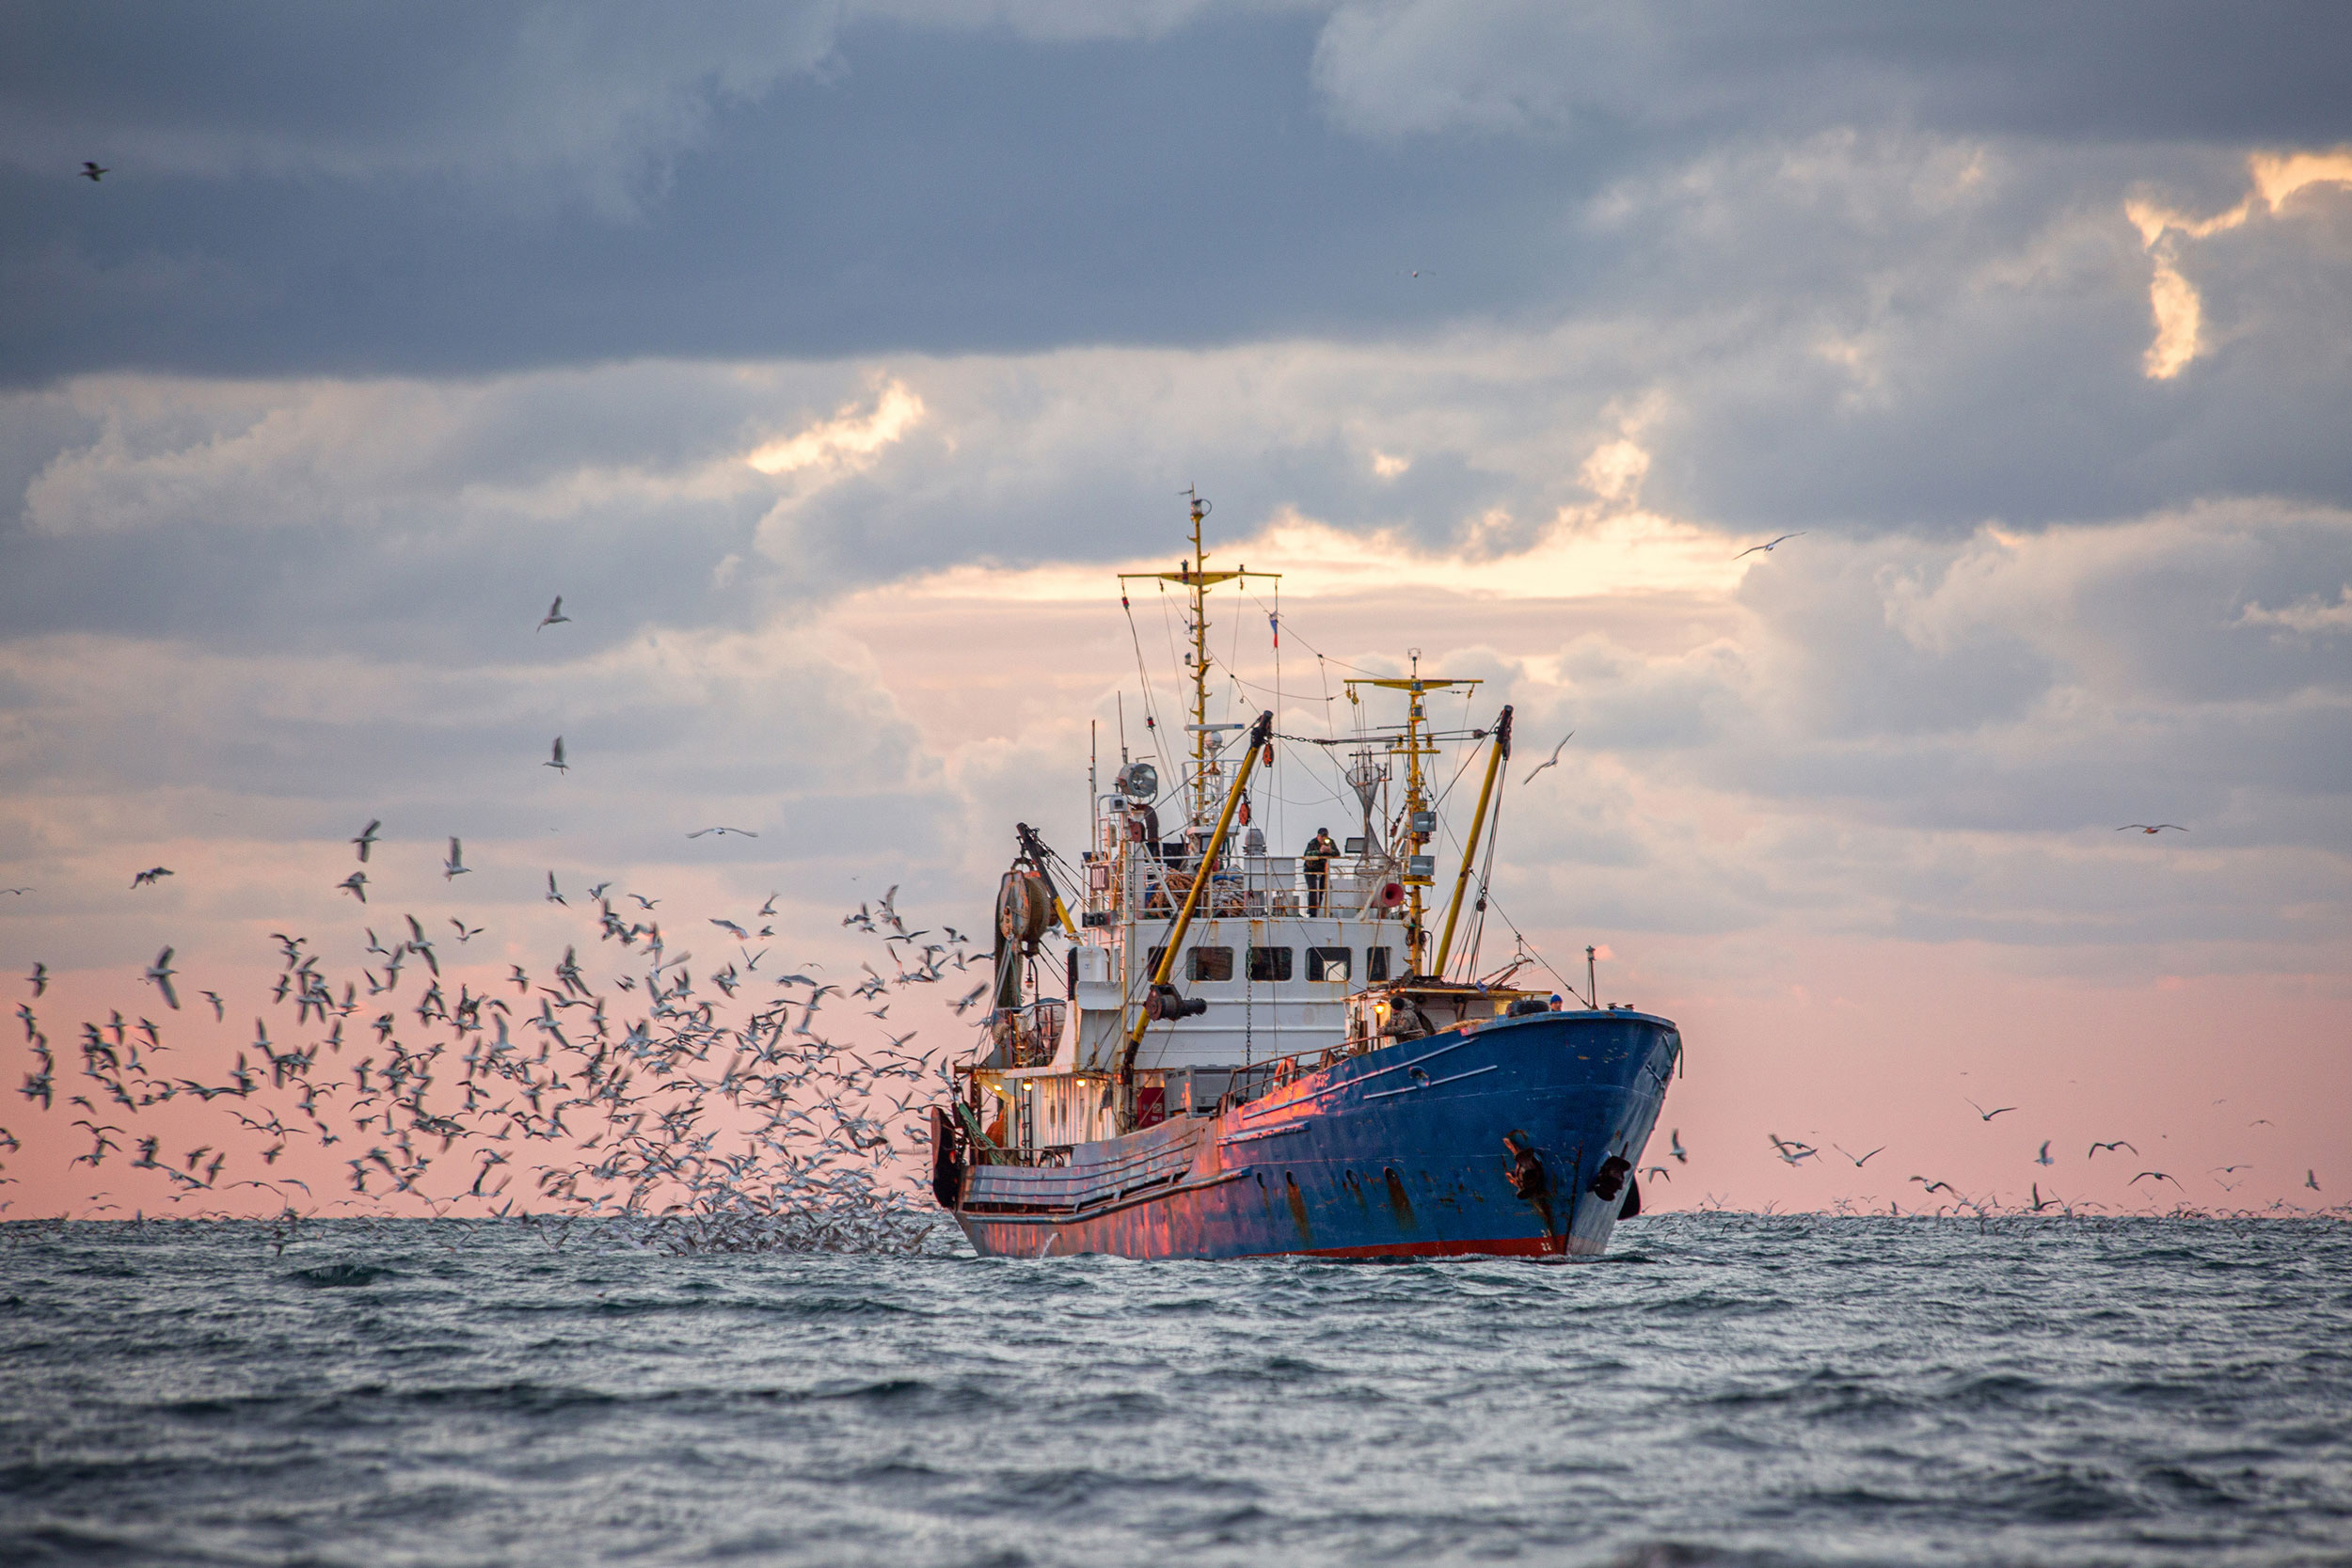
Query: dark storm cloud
[[359, 189]]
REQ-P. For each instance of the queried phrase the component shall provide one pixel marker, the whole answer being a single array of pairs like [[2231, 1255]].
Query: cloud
[[849, 440], [2179, 311], [510, 102], [2310, 615]]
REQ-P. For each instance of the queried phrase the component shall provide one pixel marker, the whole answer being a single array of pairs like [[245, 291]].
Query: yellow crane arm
[[1261, 735], [1496, 756]]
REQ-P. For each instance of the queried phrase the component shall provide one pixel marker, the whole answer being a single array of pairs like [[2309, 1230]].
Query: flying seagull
[[2146, 1174], [366, 840], [2043, 1158], [148, 877], [465, 932], [1861, 1160], [39, 979], [1989, 1114], [555, 616], [2117, 1144], [556, 761], [1555, 756], [15, 890], [92, 173], [357, 885], [554, 896], [2152, 827], [1782, 540], [2311, 1179], [161, 972], [745, 832], [1682, 1155], [455, 866]]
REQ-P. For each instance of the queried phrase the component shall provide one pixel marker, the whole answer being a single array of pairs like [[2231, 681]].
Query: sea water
[[1719, 1389]]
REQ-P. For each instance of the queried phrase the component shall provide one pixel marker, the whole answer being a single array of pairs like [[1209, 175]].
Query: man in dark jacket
[[1320, 849]]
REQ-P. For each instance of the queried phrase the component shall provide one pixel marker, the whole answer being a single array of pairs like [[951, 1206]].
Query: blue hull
[[1399, 1152]]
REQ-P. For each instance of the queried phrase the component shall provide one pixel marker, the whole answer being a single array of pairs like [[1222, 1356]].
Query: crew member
[[1320, 849]]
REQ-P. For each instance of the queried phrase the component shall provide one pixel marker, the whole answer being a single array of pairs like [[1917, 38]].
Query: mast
[[1421, 820], [1197, 580]]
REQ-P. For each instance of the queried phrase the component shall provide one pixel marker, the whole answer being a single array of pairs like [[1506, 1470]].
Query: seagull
[[2152, 827], [557, 761], [357, 885], [214, 997], [2146, 1174], [643, 900], [1989, 1114], [1790, 1151], [39, 979], [555, 616], [15, 890], [1682, 1155], [745, 832], [1861, 1160], [1554, 759], [554, 896], [465, 933], [2311, 1179], [740, 934], [2117, 1144], [455, 866], [2040, 1202], [367, 838], [92, 173], [147, 877], [2043, 1158], [1936, 1186], [161, 973], [1782, 540]]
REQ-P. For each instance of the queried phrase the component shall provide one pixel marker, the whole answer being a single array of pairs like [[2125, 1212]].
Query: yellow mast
[[1196, 577], [1413, 746]]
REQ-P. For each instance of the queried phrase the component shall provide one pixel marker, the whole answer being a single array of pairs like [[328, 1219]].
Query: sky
[[829, 360]]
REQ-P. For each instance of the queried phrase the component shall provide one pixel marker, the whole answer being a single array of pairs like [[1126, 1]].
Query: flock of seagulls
[[1793, 1152], [720, 1097]]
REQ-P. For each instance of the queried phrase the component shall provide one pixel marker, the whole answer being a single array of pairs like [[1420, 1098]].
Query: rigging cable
[[1150, 706]]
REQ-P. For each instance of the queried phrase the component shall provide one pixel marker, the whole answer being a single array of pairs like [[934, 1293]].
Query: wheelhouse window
[[1375, 964], [1329, 963], [1269, 963], [1209, 964]]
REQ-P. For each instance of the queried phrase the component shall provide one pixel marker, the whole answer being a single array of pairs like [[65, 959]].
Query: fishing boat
[[1199, 1048]]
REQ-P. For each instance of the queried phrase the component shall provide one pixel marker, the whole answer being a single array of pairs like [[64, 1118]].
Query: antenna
[[1195, 576]]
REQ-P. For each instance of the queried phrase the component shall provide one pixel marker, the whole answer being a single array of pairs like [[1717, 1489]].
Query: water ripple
[[1726, 1391]]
